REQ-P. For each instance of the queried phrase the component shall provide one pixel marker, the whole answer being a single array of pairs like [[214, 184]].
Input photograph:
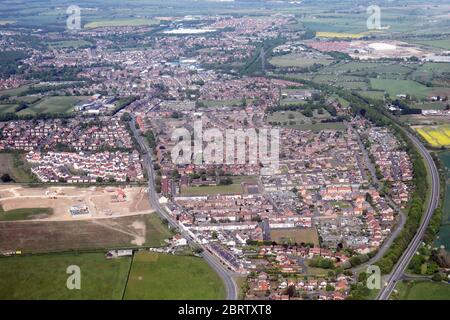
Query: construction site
[[73, 203]]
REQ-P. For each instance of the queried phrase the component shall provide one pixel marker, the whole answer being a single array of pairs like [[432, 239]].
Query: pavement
[[218, 267], [402, 263]]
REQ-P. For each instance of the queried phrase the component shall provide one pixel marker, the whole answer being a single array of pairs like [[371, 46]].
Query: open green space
[[212, 190], [438, 43], [25, 214], [296, 119], [64, 44], [121, 23], [297, 60], [395, 87], [9, 165], [444, 231], [156, 231], [156, 276], [44, 277], [63, 104], [423, 290]]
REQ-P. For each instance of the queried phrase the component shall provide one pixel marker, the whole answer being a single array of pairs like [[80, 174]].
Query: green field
[[220, 103], [54, 105], [156, 231], [423, 290], [444, 232], [440, 43], [296, 119], [212, 190], [44, 277], [121, 23], [7, 166], [25, 214], [64, 44], [394, 87], [296, 60], [157, 276]]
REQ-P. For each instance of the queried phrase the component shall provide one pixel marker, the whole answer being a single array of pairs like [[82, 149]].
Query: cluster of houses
[[80, 167], [71, 134]]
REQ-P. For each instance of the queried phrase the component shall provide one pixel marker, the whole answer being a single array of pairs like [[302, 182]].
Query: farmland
[[120, 23], [423, 290], [395, 87], [57, 236], [44, 277], [157, 276], [322, 34], [296, 60], [436, 136]]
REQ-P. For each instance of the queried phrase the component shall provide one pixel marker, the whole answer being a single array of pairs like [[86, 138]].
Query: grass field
[[221, 103], [16, 173], [44, 277], [155, 231], [25, 214], [437, 136], [157, 276], [68, 44], [54, 105], [444, 231], [234, 188], [423, 290], [298, 60], [440, 43], [297, 235], [394, 87], [121, 23], [295, 119], [57, 236]]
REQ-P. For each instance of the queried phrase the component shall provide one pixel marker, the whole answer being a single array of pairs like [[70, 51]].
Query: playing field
[[423, 290], [157, 276], [295, 235], [296, 60], [45, 277], [54, 105], [437, 136], [394, 87], [121, 23]]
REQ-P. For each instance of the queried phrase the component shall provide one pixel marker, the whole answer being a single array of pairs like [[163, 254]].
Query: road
[[402, 264], [222, 271]]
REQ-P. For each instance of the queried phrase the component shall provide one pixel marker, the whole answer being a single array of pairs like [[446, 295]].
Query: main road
[[413, 246], [219, 268]]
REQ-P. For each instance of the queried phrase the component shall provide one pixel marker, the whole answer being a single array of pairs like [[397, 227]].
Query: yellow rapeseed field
[[338, 35], [437, 136]]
